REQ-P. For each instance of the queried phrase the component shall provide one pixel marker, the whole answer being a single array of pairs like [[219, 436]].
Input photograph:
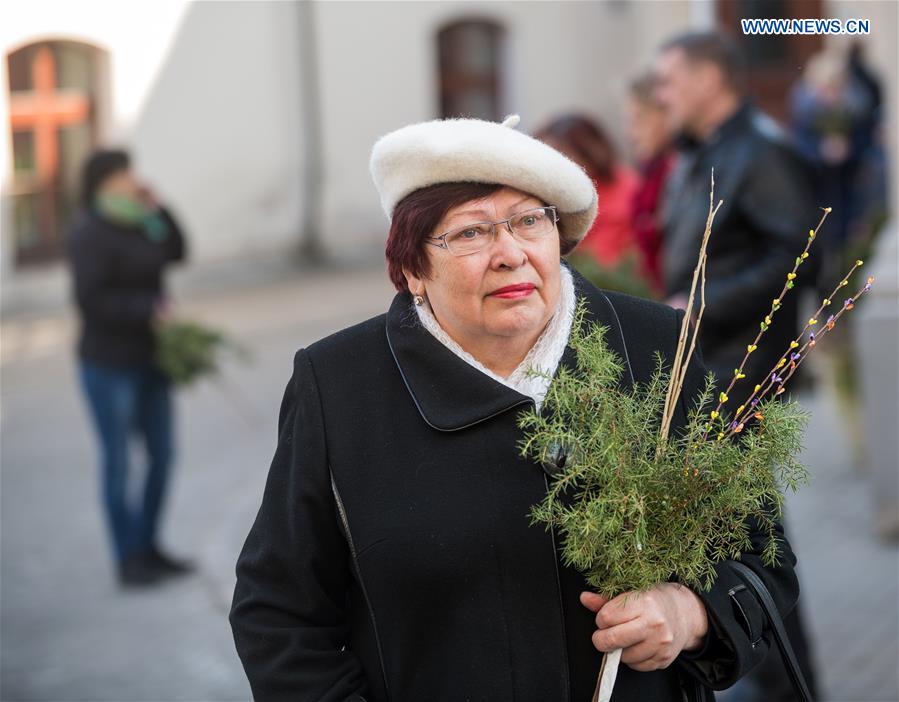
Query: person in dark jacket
[[119, 245], [767, 208], [760, 229], [392, 557]]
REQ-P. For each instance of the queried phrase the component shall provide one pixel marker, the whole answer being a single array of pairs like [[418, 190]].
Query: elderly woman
[[392, 557]]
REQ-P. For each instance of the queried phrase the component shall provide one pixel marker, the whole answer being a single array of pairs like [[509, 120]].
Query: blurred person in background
[[834, 117], [391, 557], [767, 212], [650, 137], [758, 232], [872, 180], [119, 245], [611, 238]]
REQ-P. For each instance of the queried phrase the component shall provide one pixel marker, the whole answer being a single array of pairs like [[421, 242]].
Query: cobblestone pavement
[[68, 633]]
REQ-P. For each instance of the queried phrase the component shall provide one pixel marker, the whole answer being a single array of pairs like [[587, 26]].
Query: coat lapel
[[449, 393]]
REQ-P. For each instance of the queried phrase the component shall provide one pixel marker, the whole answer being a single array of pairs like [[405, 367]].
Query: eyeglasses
[[526, 226]]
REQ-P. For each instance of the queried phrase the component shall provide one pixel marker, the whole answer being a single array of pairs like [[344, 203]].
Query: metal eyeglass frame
[[508, 222]]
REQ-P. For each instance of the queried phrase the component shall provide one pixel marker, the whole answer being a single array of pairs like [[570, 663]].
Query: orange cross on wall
[[44, 110]]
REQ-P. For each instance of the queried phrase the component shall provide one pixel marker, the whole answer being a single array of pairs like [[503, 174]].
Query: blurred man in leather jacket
[[758, 232], [761, 227]]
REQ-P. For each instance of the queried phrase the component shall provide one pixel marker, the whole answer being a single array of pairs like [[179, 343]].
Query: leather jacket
[[761, 227]]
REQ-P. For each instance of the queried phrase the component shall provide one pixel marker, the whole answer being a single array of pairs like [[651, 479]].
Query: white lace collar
[[544, 355]]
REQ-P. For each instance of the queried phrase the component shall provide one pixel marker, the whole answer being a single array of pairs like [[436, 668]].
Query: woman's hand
[[650, 627], [148, 198]]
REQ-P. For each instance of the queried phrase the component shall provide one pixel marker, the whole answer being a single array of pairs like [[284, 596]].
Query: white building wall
[[206, 95], [115, 27], [209, 96], [378, 67], [219, 133]]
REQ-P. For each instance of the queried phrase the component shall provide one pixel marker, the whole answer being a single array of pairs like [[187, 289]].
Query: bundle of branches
[[187, 351], [635, 506], [633, 510]]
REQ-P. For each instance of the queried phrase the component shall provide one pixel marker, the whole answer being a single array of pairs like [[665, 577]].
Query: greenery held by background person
[[625, 277], [187, 351]]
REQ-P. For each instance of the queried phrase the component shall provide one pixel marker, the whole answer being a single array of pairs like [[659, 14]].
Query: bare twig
[[679, 366]]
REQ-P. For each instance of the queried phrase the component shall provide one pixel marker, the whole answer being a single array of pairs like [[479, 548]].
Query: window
[[469, 60], [52, 120]]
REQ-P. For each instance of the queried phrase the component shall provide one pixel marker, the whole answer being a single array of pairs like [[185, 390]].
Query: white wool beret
[[474, 150]]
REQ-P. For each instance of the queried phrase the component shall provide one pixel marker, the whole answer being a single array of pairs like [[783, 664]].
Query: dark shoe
[[167, 566], [135, 571]]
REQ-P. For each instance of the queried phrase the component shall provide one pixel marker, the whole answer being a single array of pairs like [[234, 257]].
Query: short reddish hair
[[415, 218]]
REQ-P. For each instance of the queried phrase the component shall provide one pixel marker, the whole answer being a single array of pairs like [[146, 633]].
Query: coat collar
[[449, 393]]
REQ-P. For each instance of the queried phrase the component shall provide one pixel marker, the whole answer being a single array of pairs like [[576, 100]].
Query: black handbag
[[754, 583]]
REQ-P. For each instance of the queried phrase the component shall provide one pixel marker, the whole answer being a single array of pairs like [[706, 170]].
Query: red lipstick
[[512, 292]]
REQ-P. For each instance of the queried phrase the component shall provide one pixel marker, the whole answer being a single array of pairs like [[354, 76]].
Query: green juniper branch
[[631, 511]]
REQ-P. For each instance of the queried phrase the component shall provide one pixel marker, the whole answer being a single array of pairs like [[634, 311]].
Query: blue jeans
[[128, 400]]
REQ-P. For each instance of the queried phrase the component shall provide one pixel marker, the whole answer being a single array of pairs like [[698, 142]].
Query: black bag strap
[[777, 627]]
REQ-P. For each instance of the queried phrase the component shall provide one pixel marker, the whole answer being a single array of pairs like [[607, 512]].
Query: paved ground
[[69, 634]]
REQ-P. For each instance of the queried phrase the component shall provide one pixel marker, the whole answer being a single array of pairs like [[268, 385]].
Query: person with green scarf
[[118, 247]]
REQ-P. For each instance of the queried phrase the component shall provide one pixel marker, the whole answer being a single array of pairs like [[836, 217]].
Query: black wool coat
[[117, 281], [392, 557]]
